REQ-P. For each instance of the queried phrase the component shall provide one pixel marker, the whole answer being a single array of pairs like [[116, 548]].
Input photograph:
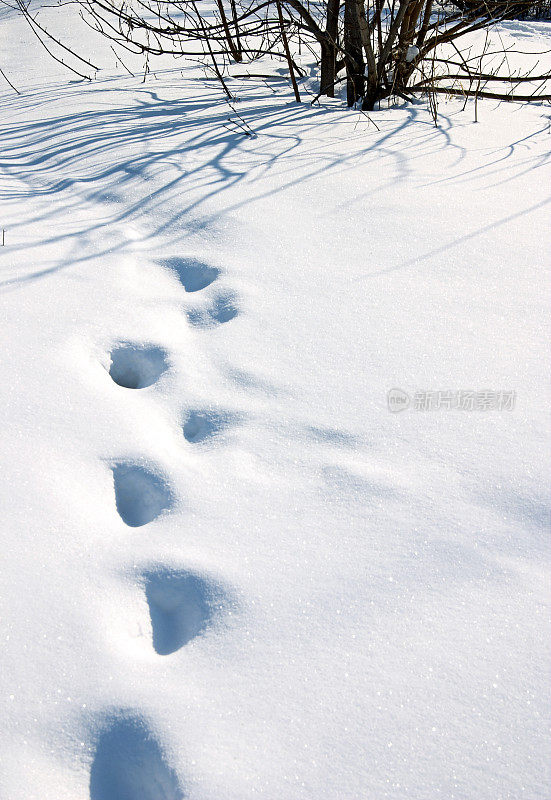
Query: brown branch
[[519, 98], [288, 53]]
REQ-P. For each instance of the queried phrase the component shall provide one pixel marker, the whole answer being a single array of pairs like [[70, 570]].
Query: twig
[[122, 62], [510, 98], [8, 80]]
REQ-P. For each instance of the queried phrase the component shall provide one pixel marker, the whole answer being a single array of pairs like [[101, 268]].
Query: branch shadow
[[135, 154]]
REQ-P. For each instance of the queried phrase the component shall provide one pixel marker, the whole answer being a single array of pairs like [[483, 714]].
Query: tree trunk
[[370, 98], [355, 65], [328, 73], [329, 51]]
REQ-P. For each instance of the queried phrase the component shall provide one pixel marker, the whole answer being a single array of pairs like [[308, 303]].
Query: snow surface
[[228, 570]]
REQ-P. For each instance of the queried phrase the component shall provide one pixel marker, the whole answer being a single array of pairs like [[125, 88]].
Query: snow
[[228, 570]]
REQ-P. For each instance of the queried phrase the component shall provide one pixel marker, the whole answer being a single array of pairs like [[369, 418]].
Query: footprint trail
[[140, 494], [193, 275], [200, 425], [129, 764], [181, 605], [222, 308], [135, 366]]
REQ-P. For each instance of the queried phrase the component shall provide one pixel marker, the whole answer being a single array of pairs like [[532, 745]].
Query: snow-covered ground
[[228, 570]]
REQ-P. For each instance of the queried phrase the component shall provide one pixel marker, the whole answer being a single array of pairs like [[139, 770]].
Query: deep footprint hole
[[194, 275], [200, 425], [181, 605], [141, 495], [137, 366], [130, 764]]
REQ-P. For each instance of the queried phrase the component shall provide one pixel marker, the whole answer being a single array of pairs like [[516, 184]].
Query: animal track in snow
[[193, 275], [200, 425], [140, 494], [129, 764], [180, 606], [135, 366], [221, 309]]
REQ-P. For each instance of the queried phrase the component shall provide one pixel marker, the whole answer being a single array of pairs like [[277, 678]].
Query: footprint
[[222, 309], [129, 764], [200, 425], [140, 494], [180, 605], [136, 366], [193, 275]]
